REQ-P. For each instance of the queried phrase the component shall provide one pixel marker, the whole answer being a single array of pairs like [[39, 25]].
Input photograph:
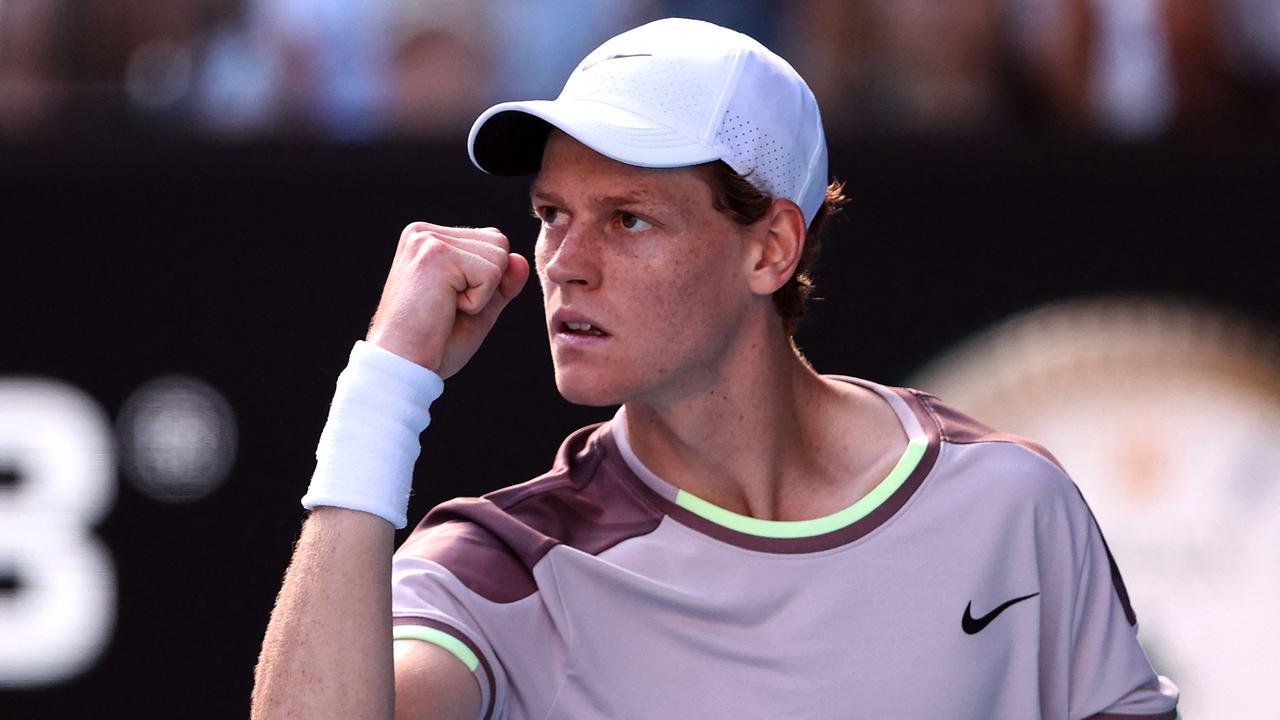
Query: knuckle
[[492, 236], [413, 229], [430, 246], [496, 237]]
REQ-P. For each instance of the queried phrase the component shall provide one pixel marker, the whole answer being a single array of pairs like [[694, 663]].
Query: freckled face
[[643, 281]]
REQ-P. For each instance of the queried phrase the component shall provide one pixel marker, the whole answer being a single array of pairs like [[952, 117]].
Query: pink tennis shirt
[[972, 582]]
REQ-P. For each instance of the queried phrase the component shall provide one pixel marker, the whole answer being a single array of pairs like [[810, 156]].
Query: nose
[[572, 258]]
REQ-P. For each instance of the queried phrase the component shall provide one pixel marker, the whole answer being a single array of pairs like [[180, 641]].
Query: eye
[[633, 223], [549, 215]]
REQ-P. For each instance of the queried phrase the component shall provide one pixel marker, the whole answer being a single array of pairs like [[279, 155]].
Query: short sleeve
[[429, 604], [1110, 676]]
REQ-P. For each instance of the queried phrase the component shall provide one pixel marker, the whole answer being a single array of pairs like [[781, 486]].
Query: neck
[[767, 436]]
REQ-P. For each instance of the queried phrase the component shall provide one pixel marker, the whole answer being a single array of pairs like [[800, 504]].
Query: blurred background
[[1062, 219], [355, 71]]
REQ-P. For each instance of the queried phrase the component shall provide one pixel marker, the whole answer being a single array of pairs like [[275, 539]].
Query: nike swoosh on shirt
[[973, 627]]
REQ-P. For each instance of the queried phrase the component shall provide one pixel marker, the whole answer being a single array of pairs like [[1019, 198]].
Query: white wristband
[[366, 453]]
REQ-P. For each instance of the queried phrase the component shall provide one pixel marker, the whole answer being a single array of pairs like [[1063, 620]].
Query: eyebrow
[[635, 196]]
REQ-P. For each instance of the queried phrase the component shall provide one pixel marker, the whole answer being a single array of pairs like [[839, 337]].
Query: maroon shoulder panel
[[492, 543], [961, 429]]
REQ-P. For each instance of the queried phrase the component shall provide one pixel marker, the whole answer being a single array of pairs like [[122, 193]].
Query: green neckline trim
[[438, 637], [817, 526]]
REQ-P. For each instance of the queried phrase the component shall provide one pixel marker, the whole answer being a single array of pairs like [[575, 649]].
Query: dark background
[[255, 266]]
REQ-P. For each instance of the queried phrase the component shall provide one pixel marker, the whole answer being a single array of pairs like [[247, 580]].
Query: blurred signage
[[58, 458]]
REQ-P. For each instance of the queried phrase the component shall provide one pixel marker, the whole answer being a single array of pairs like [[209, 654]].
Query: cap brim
[[507, 139]]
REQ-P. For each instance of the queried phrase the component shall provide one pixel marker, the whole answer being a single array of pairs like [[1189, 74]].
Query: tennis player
[[746, 538]]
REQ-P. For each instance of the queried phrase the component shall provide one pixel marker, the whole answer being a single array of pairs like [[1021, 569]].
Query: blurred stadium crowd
[[356, 70]]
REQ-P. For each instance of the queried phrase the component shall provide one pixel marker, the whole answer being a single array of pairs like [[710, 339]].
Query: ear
[[779, 242]]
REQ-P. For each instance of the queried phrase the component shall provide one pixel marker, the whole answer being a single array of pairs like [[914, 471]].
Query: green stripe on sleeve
[[817, 526], [441, 638]]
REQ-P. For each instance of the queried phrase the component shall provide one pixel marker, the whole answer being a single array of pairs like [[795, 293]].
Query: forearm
[[327, 650]]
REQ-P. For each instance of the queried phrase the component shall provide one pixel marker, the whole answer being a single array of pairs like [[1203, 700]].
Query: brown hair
[[744, 203]]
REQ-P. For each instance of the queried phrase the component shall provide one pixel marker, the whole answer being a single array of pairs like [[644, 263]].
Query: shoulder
[[958, 428], [1002, 477], [492, 543], [978, 459]]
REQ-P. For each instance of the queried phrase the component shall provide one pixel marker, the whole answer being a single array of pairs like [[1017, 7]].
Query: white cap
[[674, 93]]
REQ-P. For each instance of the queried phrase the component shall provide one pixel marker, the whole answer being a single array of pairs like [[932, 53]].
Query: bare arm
[[328, 651], [432, 683], [332, 613]]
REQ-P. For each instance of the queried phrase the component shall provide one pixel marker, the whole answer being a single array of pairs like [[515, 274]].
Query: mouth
[[571, 327], [581, 328]]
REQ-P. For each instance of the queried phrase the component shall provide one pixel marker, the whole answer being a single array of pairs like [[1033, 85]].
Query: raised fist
[[444, 292]]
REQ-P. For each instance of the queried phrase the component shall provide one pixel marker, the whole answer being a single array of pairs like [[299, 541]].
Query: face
[[643, 280]]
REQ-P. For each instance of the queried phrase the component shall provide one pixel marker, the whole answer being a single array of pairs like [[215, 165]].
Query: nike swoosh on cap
[[613, 57]]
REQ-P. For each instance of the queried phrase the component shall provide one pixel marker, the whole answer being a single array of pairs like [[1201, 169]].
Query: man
[[746, 538]]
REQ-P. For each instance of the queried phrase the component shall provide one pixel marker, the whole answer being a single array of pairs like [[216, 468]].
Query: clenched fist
[[444, 292]]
